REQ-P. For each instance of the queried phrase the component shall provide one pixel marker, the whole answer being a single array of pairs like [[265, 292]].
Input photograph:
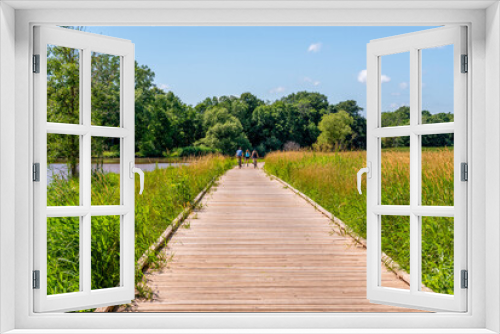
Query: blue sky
[[271, 62]]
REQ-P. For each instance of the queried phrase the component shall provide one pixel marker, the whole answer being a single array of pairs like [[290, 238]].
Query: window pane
[[437, 254], [105, 89], [395, 241], [105, 252], [63, 255], [395, 170], [395, 92], [437, 84], [437, 170], [63, 85], [105, 171], [63, 169]]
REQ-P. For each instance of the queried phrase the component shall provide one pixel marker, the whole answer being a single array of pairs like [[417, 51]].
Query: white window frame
[[484, 49], [86, 43], [413, 44]]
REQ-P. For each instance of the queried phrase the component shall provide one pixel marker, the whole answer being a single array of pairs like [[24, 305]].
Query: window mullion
[[85, 174], [414, 172]]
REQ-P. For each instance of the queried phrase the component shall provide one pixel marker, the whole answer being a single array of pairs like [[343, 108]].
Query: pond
[[61, 169]]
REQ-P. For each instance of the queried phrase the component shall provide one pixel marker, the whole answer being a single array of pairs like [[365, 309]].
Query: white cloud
[[396, 94], [403, 85], [315, 47], [394, 105], [384, 78], [164, 86], [277, 90], [313, 82], [362, 77]]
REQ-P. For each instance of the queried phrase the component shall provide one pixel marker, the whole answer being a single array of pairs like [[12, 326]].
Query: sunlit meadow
[[330, 180]]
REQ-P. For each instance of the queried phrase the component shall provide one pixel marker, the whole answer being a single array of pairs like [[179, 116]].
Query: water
[[61, 169]]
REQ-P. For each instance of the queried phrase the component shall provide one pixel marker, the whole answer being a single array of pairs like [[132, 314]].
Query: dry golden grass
[[330, 180]]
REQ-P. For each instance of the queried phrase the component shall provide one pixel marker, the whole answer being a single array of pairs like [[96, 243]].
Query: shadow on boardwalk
[[255, 246]]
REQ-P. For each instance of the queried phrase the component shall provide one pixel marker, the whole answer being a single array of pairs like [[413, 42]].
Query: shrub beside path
[[256, 246]]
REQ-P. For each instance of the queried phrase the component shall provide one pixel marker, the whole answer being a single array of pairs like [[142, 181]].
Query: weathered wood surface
[[255, 246]]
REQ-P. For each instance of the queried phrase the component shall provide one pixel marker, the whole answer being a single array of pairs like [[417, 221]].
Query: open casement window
[[83, 216], [418, 232]]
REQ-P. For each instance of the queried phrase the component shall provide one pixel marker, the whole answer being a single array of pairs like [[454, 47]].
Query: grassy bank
[[166, 193], [330, 180]]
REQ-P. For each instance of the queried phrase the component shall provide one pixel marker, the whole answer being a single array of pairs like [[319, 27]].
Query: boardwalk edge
[[386, 260], [143, 261]]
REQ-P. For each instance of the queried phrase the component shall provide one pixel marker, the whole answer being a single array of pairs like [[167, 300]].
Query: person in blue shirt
[[247, 157], [239, 155]]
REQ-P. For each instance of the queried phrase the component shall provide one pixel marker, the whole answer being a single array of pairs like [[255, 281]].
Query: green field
[[330, 180], [167, 192]]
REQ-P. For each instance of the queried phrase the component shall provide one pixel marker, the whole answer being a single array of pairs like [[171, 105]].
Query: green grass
[[166, 193], [330, 180]]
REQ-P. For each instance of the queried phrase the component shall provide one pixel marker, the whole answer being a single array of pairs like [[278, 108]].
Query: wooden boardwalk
[[255, 246]]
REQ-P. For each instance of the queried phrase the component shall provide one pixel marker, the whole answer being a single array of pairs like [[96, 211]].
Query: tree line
[[166, 126]]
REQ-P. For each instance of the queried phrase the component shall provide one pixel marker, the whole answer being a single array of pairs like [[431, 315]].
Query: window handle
[[368, 171], [139, 171]]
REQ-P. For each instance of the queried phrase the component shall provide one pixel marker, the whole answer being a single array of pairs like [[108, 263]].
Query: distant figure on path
[[247, 156], [239, 155], [255, 156]]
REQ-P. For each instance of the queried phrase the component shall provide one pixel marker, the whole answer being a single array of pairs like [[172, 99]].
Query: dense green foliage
[[169, 191], [164, 124], [401, 117], [328, 179], [190, 151], [224, 131], [335, 128]]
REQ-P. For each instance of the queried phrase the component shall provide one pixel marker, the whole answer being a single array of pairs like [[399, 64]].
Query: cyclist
[[239, 155], [255, 156], [247, 156]]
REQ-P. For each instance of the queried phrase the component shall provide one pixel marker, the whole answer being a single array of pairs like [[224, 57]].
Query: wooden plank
[[255, 246]]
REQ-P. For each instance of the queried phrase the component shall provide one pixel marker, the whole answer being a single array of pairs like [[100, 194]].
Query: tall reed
[[330, 180], [167, 192]]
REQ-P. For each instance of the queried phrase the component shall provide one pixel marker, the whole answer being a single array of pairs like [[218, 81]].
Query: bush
[[291, 146], [192, 151]]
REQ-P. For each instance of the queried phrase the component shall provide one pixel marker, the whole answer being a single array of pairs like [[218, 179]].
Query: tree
[[144, 112], [226, 137], [313, 105], [105, 89], [63, 103], [271, 125], [358, 137], [441, 139], [216, 115], [224, 132], [335, 128], [399, 117]]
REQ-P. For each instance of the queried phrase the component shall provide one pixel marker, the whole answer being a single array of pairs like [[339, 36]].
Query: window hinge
[[465, 64], [36, 63], [465, 279], [36, 172], [36, 279], [464, 171]]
